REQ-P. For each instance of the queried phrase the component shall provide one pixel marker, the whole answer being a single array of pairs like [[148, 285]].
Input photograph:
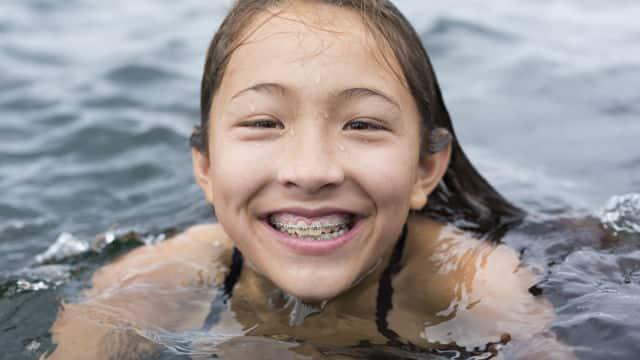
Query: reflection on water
[[98, 99]]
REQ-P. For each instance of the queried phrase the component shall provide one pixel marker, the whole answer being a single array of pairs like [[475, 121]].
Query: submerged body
[[324, 144], [449, 290]]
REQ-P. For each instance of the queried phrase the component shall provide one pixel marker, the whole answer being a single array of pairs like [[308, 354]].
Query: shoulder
[[481, 288], [497, 266], [198, 251]]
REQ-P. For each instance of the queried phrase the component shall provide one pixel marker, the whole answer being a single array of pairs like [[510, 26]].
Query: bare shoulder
[[495, 268], [482, 287], [199, 250]]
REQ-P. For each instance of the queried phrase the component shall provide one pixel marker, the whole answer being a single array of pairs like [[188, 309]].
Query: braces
[[312, 227], [319, 236]]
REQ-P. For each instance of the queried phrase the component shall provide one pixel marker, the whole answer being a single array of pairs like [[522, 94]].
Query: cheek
[[239, 170], [387, 173]]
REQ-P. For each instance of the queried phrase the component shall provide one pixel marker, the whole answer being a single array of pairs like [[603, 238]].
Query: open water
[[97, 100]]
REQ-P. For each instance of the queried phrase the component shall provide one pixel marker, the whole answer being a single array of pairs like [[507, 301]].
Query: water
[[97, 101]]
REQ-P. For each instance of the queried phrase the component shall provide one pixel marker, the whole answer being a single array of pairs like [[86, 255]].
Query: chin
[[314, 290]]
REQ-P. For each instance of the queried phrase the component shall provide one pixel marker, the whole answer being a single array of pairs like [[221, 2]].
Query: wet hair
[[463, 197]]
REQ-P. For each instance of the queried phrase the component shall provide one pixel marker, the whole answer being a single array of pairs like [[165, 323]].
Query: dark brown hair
[[463, 197]]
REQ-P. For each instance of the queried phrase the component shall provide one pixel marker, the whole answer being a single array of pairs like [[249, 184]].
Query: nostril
[[311, 181], [311, 176]]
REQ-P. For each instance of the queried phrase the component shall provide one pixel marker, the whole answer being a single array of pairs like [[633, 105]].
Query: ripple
[[113, 102], [107, 140], [127, 175], [138, 75], [11, 134], [39, 57], [57, 119], [9, 211], [619, 107], [12, 84], [446, 26], [27, 104], [596, 295]]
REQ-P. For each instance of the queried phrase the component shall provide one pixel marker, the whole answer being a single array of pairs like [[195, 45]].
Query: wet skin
[[321, 125], [451, 288]]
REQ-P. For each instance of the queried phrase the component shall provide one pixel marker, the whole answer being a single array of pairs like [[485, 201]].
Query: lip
[[314, 247], [309, 213]]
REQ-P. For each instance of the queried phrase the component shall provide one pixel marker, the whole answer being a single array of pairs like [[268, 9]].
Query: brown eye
[[264, 124], [362, 125]]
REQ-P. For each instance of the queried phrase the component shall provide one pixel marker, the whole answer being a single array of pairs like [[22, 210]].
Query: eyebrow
[[362, 93], [347, 94], [267, 88]]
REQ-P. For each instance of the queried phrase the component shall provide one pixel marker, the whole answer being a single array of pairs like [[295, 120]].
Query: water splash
[[35, 279], [33, 346], [621, 214], [66, 245]]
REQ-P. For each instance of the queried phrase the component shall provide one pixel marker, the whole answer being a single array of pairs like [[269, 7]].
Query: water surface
[[97, 101]]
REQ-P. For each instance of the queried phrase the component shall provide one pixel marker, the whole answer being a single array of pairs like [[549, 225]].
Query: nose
[[310, 163]]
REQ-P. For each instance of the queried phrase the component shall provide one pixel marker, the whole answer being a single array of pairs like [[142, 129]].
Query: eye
[[363, 125], [263, 124]]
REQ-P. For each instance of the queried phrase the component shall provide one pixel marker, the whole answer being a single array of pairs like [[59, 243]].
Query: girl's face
[[314, 150]]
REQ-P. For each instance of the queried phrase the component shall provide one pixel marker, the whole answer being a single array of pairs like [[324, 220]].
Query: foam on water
[[66, 245], [621, 214]]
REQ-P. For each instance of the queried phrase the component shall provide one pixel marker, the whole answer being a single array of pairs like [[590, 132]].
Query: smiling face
[[313, 146]]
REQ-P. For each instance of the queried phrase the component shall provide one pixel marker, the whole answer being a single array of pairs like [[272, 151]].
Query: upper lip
[[310, 212]]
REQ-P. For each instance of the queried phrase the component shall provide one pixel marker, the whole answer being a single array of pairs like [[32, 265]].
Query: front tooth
[[314, 231]]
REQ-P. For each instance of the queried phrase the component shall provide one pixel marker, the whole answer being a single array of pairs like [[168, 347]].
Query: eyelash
[[263, 124], [364, 125]]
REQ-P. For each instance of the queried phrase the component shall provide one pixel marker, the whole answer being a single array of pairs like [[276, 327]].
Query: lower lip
[[315, 247]]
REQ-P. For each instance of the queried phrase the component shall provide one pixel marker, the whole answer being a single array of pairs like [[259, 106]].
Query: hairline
[[376, 39]]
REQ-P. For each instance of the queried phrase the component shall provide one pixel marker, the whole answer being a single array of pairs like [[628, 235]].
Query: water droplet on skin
[[292, 132], [252, 107], [340, 147]]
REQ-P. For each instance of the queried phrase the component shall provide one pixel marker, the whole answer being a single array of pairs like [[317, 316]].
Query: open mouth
[[315, 229]]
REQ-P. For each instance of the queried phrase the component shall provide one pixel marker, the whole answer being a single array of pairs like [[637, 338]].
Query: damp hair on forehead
[[463, 196]]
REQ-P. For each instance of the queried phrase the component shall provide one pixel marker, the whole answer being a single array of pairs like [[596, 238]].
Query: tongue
[[292, 219]]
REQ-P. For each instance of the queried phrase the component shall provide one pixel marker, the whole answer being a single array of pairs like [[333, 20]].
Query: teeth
[[315, 231], [304, 227]]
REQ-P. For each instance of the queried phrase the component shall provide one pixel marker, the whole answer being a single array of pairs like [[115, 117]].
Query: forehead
[[313, 44]]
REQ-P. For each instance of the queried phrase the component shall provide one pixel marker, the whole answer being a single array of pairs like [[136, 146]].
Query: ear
[[431, 169], [201, 167]]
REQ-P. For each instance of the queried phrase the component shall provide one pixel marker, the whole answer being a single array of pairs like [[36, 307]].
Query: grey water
[[97, 100]]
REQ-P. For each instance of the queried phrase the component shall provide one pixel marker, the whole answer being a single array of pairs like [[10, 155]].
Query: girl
[[349, 217]]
